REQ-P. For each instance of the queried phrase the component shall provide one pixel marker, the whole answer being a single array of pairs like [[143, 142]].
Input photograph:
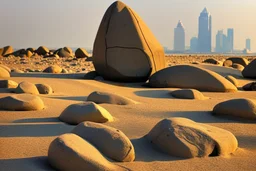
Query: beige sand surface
[[25, 136]]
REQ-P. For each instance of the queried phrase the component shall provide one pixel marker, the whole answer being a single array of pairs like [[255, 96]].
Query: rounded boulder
[[44, 89], [26, 87], [241, 108], [192, 77], [81, 53], [185, 138], [8, 84], [188, 94], [115, 145], [250, 71], [104, 97], [55, 69], [4, 73], [70, 152], [88, 111], [21, 102]]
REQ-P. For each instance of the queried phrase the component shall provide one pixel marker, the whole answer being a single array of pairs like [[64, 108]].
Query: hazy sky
[[57, 23]]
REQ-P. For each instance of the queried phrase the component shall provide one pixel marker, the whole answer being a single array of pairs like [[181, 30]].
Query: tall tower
[[248, 44], [205, 32], [179, 38], [230, 40], [220, 42]]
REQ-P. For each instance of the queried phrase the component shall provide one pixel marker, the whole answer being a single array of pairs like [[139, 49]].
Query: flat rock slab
[[185, 138]]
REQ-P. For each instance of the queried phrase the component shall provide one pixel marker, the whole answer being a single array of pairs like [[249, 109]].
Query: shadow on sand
[[26, 164], [145, 152], [73, 98], [37, 120], [160, 94], [34, 130]]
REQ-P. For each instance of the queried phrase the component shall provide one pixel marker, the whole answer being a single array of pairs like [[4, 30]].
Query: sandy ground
[[25, 136]]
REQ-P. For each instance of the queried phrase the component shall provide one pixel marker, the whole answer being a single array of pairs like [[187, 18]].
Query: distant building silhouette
[[205, 32], [220, 42], [248, 44], [193, 44], [179, 38], [230, 40]]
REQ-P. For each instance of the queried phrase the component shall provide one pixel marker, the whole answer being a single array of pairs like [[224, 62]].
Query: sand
[[26, 136]]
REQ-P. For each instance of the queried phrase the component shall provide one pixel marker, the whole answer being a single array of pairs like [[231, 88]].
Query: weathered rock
[[31, 50], [250, 70], [91, 75], [29, 53], [64, 52], [104, 97], [238, 67], [44, 89], [81, 53], [26, 87], [17, 71], [64, 71], [185, 138], [42, 50], [88, 111], [8, 84], [53, 69], [125, 49], [21, 102], [188, 94], [68, 49], [70, 152], [243, 108], [228, 63], [212, 61], [239, 60], [116, 144], [19, 52], [5, 67], [4, 73], [192, 77], [233, 80], [7, 50], [250, 86]]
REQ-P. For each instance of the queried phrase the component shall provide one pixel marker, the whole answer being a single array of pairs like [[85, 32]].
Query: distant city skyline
[[31, 23]]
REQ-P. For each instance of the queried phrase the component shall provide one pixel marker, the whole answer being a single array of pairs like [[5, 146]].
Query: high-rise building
[[230, 40], [193, 44], [205, 32], [248, 44], [179, 38], [220, 38]]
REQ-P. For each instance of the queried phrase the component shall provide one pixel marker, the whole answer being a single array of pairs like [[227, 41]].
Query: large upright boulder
[[125, 49], [250, 70], [193, 77]]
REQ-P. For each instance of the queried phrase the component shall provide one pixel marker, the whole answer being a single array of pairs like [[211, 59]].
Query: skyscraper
[[193, 44], [179, 38], [205, 32], [248, 44], [230, 40], [220, 38]]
